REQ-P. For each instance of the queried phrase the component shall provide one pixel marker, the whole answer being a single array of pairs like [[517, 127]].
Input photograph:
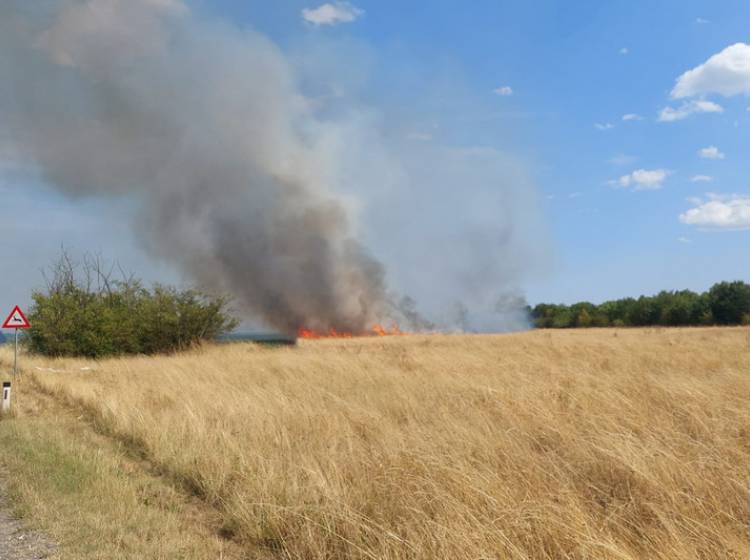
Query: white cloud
[[604, 126], [643, 179], [624, 51], [632, 117], [504, 90], [332, 14], [575, 194], [701, 20], [726, 73], [684, 240], [701, 179], [719, 212], [712, 152], [670, 114]]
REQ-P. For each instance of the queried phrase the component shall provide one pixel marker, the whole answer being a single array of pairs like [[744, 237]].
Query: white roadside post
[[6, 396], [16, 320]]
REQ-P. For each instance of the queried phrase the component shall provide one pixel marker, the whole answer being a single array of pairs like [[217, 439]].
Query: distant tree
[[550, 316], [676, 308], [599, 319], [729, 302], [563, 319], [700, 313], [584, 319], [616, 311], [643, 312], [582, 314]]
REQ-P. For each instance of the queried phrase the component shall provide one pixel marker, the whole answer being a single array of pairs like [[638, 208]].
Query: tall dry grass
[[603, 444]]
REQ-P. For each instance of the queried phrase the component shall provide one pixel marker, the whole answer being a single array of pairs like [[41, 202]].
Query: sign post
[[16, 320]]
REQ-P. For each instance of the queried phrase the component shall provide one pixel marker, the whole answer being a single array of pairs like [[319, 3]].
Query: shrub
[[85, 312]]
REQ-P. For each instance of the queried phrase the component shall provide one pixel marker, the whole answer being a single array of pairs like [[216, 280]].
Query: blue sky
[[630, 199], [572, 66]]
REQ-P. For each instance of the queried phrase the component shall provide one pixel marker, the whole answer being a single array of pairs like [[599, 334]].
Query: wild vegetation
[[86, 310], [606, 444], [726, 303]]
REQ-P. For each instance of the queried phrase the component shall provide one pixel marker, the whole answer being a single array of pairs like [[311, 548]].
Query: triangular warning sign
[[16, 320]]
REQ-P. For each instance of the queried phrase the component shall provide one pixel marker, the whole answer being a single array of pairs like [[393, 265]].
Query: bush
[[85, 312]]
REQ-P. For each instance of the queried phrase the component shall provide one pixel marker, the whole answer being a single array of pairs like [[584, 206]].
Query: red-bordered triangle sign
[[16, 320]]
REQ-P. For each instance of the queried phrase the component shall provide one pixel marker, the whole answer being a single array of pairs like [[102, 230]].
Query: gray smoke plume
[[203, 126], [202, 132]]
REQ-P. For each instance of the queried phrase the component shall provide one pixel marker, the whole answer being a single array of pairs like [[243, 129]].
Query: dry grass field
[[600, 444]]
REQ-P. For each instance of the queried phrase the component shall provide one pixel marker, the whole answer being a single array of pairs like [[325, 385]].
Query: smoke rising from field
[[236, 177]]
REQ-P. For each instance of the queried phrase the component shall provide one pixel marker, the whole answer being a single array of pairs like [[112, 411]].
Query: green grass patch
[[94, 501]]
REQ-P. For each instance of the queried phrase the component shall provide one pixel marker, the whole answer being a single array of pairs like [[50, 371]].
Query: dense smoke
[[236, 178], [118, 97]]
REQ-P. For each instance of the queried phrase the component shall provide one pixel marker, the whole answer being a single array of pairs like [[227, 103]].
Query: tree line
[[725, 303]]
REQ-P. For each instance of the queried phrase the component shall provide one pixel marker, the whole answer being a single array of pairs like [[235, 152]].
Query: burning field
[[275, 172], [607, 444], [377, 330]]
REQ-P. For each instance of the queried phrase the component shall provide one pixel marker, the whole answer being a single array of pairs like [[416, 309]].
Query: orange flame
[[377, 330], [382, 331]]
